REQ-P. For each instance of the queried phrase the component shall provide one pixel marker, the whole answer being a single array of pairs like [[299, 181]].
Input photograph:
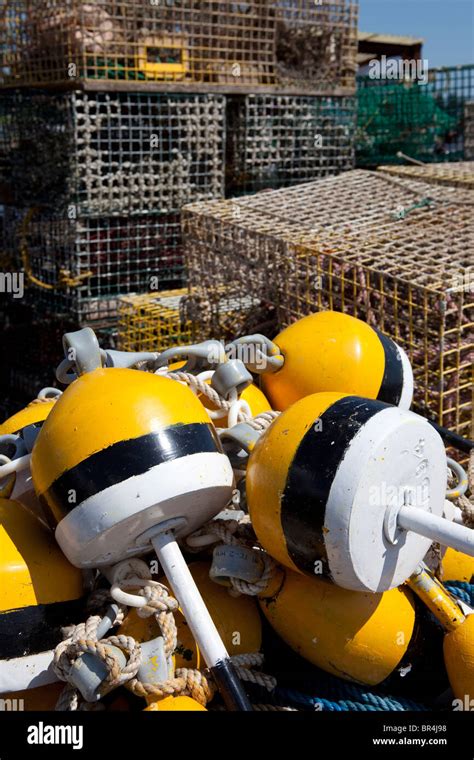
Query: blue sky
[[447, 26]]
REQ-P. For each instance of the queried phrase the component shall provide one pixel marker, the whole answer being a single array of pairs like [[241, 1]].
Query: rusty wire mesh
[[113, 153], [394, 252], [277, 140], [178, 43], [460, 174]]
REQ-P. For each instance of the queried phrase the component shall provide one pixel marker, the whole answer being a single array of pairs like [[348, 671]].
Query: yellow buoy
[[33, 414], [121, 452], [330, 351], [20, 485], [175, 703], [457, 566], [356, 636]]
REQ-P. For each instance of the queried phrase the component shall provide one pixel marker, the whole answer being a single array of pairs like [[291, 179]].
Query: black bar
[[230, 687], [453, 439]]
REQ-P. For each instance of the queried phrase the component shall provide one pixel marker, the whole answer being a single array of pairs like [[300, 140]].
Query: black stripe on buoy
[[392, 381], [311, 474], [35, 629], [124, 460]]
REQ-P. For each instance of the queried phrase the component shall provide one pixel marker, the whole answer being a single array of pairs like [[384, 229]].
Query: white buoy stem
[[199, 620], [438, 529], [189, 598], [15, 465]]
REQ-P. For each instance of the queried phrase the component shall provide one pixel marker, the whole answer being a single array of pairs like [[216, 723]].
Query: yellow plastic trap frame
[[396, 253], [156, 321], [209, 44], [153, 321]]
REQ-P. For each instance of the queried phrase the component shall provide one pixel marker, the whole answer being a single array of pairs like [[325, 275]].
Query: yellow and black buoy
[[126, 462], [40, 592], [350, 488], [331, 351], [120, 452]]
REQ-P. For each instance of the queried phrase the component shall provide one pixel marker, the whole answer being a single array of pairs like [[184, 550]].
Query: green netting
[[424, 121]]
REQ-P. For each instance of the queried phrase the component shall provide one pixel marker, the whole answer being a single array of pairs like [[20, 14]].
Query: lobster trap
[[460, 174], [154, 321], [423, 120], [81, 267], [178, 44], [393, 252], [276, 140], [123, 153]]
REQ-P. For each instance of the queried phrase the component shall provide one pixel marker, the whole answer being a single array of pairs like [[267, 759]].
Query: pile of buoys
[[123, 488]]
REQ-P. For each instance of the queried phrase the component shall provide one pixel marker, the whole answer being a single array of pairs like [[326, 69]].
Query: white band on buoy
[[408, 386], [27, 672], [110, 517]]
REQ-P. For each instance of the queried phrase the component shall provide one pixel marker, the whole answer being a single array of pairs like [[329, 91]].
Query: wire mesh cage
[[459, 174], [178, 43], [81, 267], [115, 153], [469, 131], [393, 252], [276, 140], [422, 120]]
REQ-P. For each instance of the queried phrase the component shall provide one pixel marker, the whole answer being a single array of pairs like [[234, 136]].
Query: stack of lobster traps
[[117, 113], [114, 115]]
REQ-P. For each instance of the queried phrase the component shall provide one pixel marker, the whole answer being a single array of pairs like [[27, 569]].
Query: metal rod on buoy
[[200, 622], [438, 529]]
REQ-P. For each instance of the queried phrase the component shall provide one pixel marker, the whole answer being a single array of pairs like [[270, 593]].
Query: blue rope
[[362, 701], [462, 590]]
